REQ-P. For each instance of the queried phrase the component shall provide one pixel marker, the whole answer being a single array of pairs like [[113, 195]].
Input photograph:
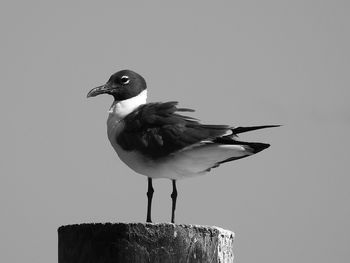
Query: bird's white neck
[[120, 109]]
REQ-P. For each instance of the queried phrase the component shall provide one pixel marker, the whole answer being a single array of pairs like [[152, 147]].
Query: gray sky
[[235, 62]]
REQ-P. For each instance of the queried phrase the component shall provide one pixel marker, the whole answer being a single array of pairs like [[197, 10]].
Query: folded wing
[[157, 130]]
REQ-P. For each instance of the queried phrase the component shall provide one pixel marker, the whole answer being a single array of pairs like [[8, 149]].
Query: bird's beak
[[98, 90]]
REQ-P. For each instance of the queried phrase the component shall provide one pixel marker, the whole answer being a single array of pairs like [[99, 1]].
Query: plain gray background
[[235, 62]]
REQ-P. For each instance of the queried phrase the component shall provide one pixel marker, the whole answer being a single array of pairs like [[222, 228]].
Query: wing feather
[[157, 130]]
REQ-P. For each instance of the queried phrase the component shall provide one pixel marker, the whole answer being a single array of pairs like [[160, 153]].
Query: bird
[[157, 140]]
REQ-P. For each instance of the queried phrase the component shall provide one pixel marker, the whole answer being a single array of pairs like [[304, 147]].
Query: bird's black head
[[122, 85]]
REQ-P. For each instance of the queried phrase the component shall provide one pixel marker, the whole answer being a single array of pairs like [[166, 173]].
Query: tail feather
[[238, 130], [252, 147], [249, 148], [256, 147]]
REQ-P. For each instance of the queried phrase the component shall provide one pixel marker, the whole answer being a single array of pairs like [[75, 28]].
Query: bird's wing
[[157, 130]]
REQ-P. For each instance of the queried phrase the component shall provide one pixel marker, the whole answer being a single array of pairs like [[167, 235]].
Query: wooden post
[[141, 243]]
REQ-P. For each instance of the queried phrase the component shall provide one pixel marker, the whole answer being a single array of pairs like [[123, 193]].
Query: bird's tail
[[250, 148], [238, 130], [255, 147]]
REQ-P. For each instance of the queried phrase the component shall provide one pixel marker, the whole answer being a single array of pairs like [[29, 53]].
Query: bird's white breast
[[135, 160]]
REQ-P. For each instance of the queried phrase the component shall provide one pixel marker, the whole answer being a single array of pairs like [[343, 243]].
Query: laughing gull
[[156, 140]]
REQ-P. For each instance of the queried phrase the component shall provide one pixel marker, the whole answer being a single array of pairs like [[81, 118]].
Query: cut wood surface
[[144, 242]]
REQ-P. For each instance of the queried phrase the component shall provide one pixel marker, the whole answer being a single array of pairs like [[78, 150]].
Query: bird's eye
[[124, 80]]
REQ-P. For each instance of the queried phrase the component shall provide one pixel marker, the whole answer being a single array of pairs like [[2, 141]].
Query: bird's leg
[[150, 192], [173, 197]]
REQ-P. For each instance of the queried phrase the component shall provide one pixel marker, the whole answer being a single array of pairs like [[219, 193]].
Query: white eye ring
[[124, 80]]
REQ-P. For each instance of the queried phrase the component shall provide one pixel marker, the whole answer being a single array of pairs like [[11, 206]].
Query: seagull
[[158, 141]]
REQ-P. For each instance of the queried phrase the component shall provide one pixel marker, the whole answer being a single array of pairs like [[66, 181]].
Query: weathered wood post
[[141, 243]]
